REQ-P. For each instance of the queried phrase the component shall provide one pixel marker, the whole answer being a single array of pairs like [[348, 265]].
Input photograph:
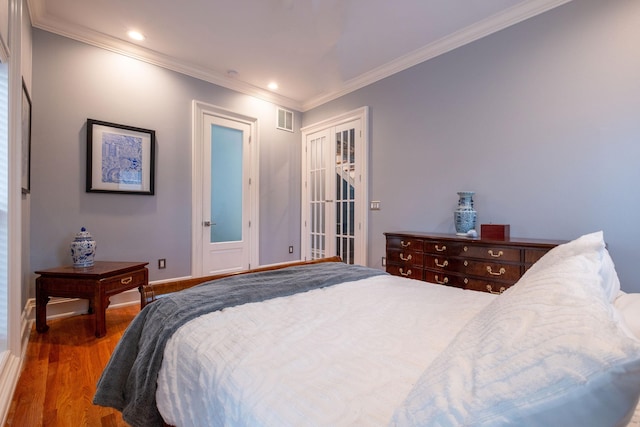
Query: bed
[[327, 344]]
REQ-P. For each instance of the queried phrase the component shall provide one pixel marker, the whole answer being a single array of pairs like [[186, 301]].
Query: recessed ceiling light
[[273, 86], [136, 35]]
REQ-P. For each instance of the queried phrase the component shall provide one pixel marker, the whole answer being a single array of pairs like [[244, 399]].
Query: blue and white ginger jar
[[83, 249], [465, 215]]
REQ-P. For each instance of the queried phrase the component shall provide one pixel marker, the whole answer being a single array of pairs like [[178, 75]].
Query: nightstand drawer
[[123, 282]]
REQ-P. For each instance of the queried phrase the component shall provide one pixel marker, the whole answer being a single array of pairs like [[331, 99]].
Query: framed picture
[[26, 140], [120, 159]]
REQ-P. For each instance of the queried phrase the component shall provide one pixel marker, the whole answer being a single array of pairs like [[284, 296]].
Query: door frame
[[361, 114], [199, 111]]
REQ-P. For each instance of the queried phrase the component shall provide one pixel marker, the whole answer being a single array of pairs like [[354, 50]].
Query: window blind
[[4, 204]]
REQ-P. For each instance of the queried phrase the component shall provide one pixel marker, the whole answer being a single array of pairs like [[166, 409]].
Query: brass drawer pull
[[466, 281], [499, 273], [501, 290], [405, 259], [126, 280], [444, 264], [441, 249], [466, 263], [498, 255], [444, 281], [407, 274], [405, 245]]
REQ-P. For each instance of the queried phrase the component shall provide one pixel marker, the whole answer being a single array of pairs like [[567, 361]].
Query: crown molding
[[40, 19], [446, 44], [523, 11]]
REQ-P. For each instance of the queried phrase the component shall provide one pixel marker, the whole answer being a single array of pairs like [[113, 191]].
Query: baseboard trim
[[10, 368]]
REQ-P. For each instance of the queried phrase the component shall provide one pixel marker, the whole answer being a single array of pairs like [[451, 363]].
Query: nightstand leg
[[99, 307], [41, 308]]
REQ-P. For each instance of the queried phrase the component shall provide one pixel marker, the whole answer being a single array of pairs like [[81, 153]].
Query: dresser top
[[512, 241]]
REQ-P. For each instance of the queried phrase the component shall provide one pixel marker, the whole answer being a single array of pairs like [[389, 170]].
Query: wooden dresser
[[468, 263]]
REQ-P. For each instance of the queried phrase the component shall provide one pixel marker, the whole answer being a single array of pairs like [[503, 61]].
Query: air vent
[[285, 120]]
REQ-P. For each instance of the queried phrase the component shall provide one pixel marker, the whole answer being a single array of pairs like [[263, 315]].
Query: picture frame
[[26, 140], [120, 158]]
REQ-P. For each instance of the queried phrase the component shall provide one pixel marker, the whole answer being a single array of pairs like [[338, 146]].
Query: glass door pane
[[345, 194], [226, 184], [317, 199]]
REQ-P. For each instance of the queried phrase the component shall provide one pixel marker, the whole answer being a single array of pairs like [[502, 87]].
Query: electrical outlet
[[384, 261], [375, 205], [290, 249], [162, 263]]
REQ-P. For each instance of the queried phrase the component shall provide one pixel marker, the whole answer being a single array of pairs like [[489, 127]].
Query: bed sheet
[[339, 356]]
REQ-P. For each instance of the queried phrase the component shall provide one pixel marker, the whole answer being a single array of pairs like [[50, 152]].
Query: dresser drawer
[[444, 278], [404, 271], [496, 253], [404, 257], [447, 248], [439, 262], [489, 270], [473, 267], [485, 285], [405, 243], [465, 282], [533, 255], [472, 250]]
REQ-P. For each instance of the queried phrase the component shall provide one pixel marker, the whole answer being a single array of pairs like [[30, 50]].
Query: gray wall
[[542, 120], [73, 81]]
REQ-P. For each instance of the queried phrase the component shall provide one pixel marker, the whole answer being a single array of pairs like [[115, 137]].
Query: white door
[[226, 195], [335, 190]]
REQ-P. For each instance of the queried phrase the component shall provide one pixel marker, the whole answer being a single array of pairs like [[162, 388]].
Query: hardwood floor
[[61, 370]]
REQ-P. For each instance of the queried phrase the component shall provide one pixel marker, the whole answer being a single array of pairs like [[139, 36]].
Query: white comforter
[[552, 350], [340, 356]]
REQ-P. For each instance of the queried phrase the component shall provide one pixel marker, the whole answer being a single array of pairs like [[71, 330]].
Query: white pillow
[[588, 242], [629, 307], [549, 351], [610, 280]]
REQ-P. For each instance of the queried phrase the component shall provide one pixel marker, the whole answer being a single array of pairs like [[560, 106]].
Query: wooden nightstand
[[96, 283]]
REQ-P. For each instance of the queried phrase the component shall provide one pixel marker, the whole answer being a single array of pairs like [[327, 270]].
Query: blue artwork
[[121, 159]]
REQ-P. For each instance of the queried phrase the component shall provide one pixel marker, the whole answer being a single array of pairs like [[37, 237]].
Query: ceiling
[[316, 50]]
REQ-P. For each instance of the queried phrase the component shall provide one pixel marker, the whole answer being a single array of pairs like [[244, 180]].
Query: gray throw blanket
[[128, 383]]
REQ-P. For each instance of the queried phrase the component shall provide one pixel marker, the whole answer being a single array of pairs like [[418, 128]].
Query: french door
[[335, 190]]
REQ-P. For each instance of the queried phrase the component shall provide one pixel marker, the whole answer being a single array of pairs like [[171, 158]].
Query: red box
[[494, 231]]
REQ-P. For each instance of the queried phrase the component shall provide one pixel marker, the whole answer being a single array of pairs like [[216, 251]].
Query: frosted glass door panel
[[226, 184]]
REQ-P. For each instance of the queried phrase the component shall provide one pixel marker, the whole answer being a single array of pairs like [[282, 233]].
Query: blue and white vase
[[465, 215], [83, 249]]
